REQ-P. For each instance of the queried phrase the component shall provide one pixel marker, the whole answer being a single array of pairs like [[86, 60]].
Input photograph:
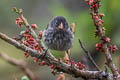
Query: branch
[[89, 56], [27, 25], [49, 59], [100, 32], [20, 64], [60, 66]]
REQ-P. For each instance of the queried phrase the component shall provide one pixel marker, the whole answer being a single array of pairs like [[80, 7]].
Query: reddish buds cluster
[[101, 15], [99, 46], [78, 65], [93, 6], [34, 26], [93, 3], [97, 19], [40, 34], [26, 54], [103, 30], [107, 39], [95, 16], [96, 32], [15, 38], [52, 66], [30, 42], [19, 21], [100, 22], [27, 31], [113, 48]]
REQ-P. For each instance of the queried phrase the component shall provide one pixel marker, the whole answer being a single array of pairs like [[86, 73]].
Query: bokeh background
[[40, 12]]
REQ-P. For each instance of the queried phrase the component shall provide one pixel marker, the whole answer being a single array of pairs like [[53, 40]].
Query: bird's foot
[[44, 54]]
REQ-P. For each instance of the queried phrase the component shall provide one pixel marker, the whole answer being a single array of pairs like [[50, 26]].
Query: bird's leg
[[68, 53]]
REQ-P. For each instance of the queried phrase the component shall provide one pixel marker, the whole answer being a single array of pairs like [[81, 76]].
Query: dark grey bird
[[58, 35]]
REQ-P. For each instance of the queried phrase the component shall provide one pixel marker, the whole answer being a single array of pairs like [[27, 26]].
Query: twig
[[25, 22], [19, 63], [98, 22], [89, 56], [60, 66], [50, 59]]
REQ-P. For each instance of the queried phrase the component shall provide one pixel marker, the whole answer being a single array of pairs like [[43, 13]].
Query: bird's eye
[[56, 24]]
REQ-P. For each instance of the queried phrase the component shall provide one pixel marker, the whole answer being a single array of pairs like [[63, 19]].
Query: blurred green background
[[40, 12]]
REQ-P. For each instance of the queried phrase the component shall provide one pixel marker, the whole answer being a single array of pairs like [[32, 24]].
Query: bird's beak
[[61, 26]]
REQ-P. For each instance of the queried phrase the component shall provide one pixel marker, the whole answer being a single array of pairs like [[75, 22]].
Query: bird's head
[[59, 23]]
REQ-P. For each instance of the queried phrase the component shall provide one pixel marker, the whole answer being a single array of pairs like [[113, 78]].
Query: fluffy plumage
[[58, 35]]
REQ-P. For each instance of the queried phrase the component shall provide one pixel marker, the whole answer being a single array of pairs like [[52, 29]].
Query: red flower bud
[[27, 31], [107, 39], [101, 15], [34, 26], [27, 35], [113, 48], [26, 54], [99, 46], [42, 63], [35, 59], [15, 38], [19, 21]]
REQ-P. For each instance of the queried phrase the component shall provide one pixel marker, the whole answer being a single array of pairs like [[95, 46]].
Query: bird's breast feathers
[[58, 40]]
